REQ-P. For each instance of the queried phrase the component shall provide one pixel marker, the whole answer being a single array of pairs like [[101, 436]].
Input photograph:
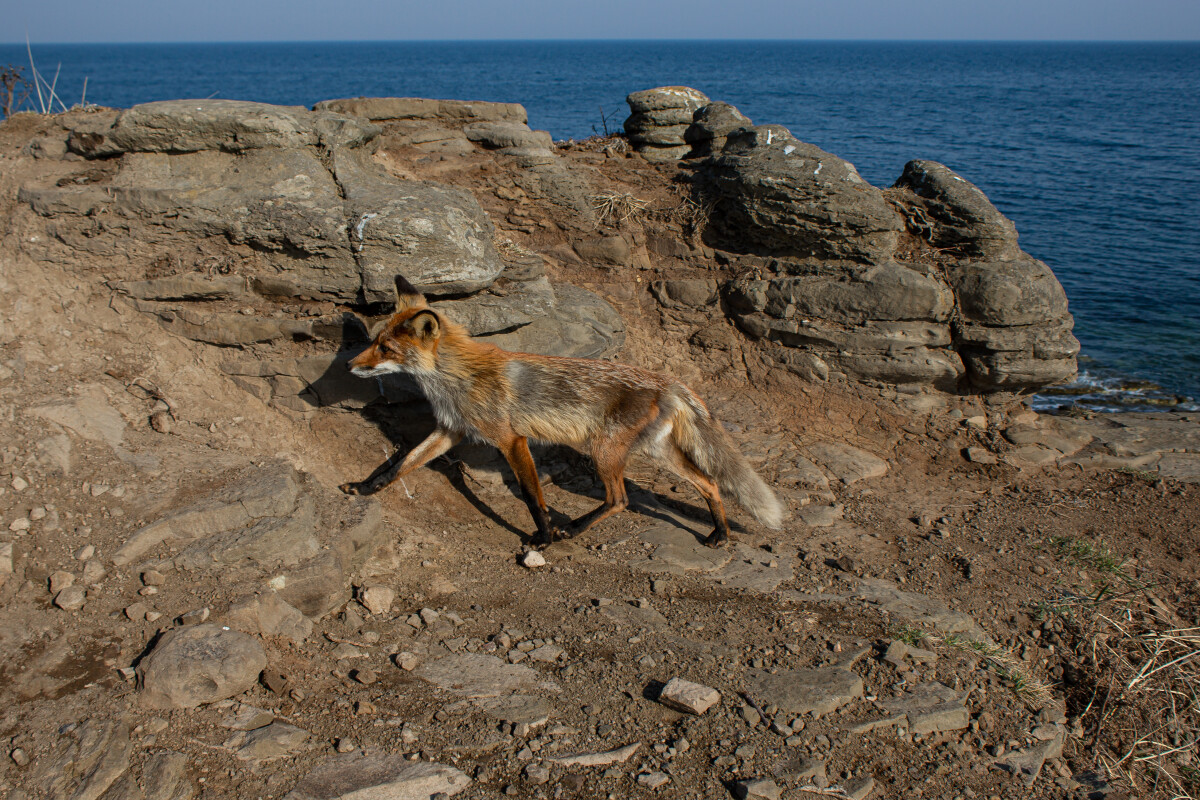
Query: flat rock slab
[[689, 697], [517, 709], [378, 777], [848, 464], [1027, 763], [806, 691], [478, 675], [200, 664], [677, 551], [634, 617], [94, 756], [757, 790], [929, 708], [618, 756], [272, 741], [918, 608]]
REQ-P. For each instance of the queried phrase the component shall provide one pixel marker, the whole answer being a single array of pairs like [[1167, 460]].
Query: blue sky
[[49, 21]]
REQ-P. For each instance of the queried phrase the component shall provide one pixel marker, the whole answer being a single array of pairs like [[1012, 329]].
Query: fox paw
[[716, 539], [554, 535], [358, 488]]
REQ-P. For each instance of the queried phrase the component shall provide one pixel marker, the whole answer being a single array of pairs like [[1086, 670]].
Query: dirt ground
[[1072, 577]]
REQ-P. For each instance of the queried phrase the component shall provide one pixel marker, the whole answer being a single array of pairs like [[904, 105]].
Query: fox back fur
[[608, 410]]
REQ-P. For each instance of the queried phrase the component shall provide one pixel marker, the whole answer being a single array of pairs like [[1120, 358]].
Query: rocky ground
[[968, 599]]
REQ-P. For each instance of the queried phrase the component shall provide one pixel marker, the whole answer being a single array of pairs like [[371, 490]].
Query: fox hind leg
[[516, 451], [708, 490], [610, 464]]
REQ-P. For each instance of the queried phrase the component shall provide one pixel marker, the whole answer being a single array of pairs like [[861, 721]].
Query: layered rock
[[660, 119], [833, 285]]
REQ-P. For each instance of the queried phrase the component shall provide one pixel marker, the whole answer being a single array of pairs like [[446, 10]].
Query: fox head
[[407, 342]]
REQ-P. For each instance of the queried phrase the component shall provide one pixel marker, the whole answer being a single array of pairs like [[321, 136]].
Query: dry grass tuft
[[1141, 668], [615, 207]]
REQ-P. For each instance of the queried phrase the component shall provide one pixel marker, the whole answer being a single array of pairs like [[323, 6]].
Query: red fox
[[608, 410]]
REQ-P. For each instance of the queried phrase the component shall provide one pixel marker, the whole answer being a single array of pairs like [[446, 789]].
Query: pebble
[[537, 774], [692, 698], [136, 612], [364, 676], [19, 525], [344, 745], [653, 780], [153, 577], [194, 617], [19, 484], [93, 571], [86, 552], [378, 599], [19, 757], [37, 513], [61, 580], [151, 616], [757, 790], [533, 559], [161, 421], [406, 661], [6, 558], [71, 599]]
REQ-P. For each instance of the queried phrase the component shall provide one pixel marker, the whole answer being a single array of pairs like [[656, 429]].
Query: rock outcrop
[[660, 119], [922, 284]]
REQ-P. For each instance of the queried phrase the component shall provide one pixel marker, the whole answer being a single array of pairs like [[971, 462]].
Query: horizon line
[[646, 40]]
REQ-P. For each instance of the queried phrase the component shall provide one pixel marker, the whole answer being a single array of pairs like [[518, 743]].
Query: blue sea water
[[1093, 149]]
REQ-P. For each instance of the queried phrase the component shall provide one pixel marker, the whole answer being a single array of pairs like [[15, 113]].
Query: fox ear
[[426, 325], [407, 295]]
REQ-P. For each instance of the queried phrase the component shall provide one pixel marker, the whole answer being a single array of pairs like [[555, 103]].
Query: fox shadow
[[396, 407]]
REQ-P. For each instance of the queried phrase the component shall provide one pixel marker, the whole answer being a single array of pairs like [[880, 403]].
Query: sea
[[1093, 149]]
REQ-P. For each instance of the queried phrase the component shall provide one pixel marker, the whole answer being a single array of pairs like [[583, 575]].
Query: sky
[[63, 21]]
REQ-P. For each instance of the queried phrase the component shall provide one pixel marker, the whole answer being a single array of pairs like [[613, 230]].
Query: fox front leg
[[389, 472]]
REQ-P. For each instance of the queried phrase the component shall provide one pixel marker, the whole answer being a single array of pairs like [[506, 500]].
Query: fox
[[608, 410]]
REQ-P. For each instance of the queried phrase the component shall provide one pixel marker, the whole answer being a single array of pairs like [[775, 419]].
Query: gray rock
[[929, 708], [199, 664], [957, 214], [268, 742], [504, 307], [478, 675], [1027, 763], [918, 608], [695, 294], [6, 558], [269, 615], [689, 697], [583, 326], [246, 717], [185, 126], [94, 755], [847, 464], [378, 777], [664, 97], [653, 780], [612, 250], [759, 789], [499, 135], [537, 774], [677, 551], [617, 756], [391, 109], [780, 195], [711, 124], [811, 691], [163, 774], [436, 236], [71, 598], [858, 788], [821, 516]]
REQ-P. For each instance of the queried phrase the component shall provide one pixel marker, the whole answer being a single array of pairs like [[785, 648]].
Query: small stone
[[148, 591], [155, 726], [85, 552], [136, 612], [19, 484], [161, 421], [151, 616], [71, 599], [406, 661], [981, 455], [93, 572], [537, 774], [692, 698], [153, 577], [194, 617], [19, 525], [346, 650], [429, 616], [757, 790], [61, 580], [364, 676], [533, 559], [378, 599], [276, 681], [98, 489], [19, 757], [977, 422], [344, 745], [547, 653], [37, 513], [6, 558], [859, 788], [653, 780]]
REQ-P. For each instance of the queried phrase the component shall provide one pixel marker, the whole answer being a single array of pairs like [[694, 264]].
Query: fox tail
[[709, 446]]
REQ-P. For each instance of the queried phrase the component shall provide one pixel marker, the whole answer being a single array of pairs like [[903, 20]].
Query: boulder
[[390, 109], [437, 236], [200, 664], [777, 195], [659, 120], [955, 213], [711, 125]]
